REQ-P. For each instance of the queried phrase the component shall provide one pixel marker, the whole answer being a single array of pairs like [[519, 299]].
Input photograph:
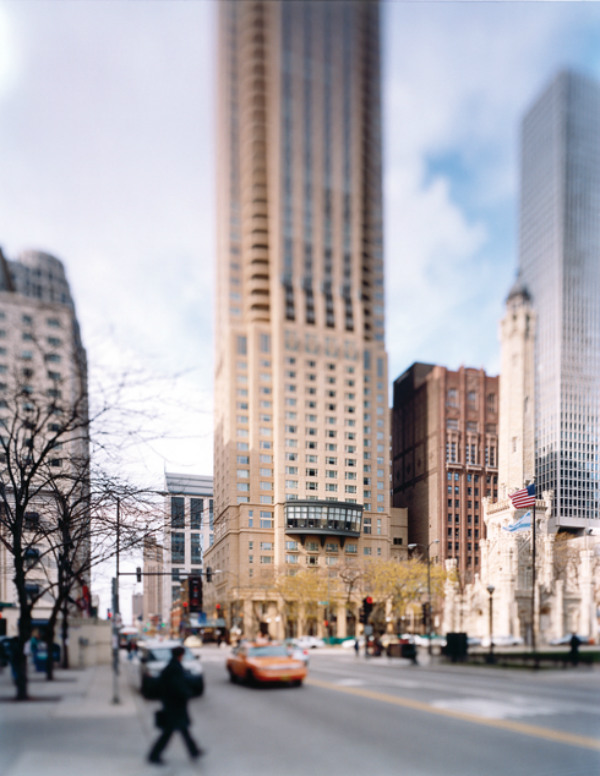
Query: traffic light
[[362, 618], [367, 607], [138, 574], [208, 574], [195, 593]]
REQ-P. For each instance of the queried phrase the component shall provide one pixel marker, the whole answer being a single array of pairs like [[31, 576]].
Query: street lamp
[[490, 589], [428, 618]]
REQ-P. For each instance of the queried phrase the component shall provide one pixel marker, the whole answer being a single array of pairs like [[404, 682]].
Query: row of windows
[[28, 320], [195, 512]]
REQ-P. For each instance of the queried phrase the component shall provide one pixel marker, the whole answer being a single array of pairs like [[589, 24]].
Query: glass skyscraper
[[560, 266]]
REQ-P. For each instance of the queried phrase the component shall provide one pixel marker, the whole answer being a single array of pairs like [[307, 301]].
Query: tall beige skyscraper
[[301, 459]]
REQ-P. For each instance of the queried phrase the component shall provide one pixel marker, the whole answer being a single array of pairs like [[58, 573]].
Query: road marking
[[534, 731]]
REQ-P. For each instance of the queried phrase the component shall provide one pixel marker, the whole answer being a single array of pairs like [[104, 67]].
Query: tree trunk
[[65, 637], [20, 671], [50, 629]]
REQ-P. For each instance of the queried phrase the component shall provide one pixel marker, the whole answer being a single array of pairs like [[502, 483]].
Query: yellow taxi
[[258, 663]]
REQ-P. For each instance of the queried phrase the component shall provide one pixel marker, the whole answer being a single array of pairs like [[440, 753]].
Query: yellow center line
[[514, 726]]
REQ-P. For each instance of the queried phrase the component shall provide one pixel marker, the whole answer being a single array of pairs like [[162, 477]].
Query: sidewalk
[[72, 727]]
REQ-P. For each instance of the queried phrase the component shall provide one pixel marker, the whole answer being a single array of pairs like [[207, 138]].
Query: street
[[381, 716], [352, 716]]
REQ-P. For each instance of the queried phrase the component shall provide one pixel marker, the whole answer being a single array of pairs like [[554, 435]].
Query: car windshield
[[164, 654], [276, 650]]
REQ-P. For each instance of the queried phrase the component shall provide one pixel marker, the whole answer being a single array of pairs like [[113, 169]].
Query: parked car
[[309, 642], [299, 653], [154, 656], [257, 663], [350, 642], [503, 641], [565, 641], [436, 641]]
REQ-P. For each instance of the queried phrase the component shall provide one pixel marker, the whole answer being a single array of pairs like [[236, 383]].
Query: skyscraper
[[560, 267], [302, 431]]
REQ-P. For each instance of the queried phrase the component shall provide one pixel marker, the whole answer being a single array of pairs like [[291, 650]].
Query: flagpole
[[533, 541]]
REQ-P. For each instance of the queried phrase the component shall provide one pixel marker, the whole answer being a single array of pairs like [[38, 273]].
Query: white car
[[503, 641], [298, 653], [154, 656], [566, 640], [308, 642]]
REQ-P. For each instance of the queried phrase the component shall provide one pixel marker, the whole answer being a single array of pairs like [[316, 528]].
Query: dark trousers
[[163, 740]]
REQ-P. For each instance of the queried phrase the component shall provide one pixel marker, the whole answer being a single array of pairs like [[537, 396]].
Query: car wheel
[[250, 678], [297, 683], [232, 678]]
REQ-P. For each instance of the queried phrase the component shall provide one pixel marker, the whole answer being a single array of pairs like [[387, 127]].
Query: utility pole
[[116, 610]]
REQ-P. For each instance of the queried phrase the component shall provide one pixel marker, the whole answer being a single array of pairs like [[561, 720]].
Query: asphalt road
[[356, 716]]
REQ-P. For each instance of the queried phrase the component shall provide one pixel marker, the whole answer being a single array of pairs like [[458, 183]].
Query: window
[[266, 519], [178, 547], [177, 513], [367, 525], [196, 548], [196, 514]]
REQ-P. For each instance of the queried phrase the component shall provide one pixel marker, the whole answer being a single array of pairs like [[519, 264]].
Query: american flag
[[524, 497]]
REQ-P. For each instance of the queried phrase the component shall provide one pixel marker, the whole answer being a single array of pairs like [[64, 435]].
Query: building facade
[[560, 265], [301, 450], [445, 459], [188, 533], [43, 406]]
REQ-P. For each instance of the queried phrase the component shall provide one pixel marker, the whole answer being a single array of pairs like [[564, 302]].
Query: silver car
[[154, 656]]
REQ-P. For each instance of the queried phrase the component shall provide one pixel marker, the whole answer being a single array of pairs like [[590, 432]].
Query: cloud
[[458, 78]]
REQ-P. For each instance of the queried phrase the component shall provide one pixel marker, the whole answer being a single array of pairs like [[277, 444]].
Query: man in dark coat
[[174, 694]]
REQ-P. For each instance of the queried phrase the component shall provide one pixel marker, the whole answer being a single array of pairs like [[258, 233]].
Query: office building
[[560, 266], [445, 459], [188, 533], [301, 451]]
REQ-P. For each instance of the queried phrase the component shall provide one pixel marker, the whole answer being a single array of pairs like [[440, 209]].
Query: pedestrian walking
[[174, 692], [574, 653], [356, 647]]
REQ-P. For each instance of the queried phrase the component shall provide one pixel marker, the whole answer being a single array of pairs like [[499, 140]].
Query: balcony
[[323, 519]]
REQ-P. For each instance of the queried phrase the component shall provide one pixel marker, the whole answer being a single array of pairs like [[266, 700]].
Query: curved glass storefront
[[323, 517]]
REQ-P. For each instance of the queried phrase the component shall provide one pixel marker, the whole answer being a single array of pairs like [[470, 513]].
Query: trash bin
[[456, 646]]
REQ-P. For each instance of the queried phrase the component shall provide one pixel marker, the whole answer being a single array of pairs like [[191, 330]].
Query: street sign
[[368, 630]]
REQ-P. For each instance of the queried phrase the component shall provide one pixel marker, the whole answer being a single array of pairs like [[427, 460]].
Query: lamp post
[[428, 617], [490, 589], [116, 608]]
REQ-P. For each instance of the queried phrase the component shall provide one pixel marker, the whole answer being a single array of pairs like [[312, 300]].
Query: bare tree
[[57, 516]]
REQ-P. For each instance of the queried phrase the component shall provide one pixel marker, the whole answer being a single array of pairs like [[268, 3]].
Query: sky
[[107, 147]]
